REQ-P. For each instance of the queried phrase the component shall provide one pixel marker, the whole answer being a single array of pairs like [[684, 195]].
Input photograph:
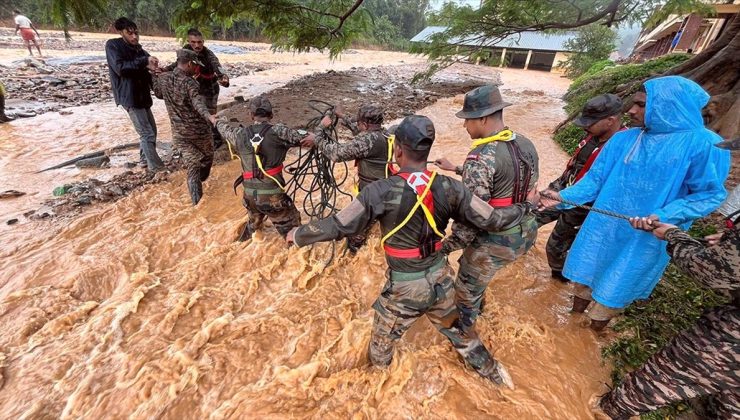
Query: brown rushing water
[[146, 308]]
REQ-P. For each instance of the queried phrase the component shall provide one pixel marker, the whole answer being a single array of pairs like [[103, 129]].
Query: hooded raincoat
[[669, 168]]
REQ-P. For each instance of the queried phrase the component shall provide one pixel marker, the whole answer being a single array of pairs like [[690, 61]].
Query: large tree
[[332, 24]]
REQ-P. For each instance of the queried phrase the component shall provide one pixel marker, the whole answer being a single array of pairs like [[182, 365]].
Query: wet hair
[[194, 32], [641, 88], [16, 12], [498, 115], [124, 23]]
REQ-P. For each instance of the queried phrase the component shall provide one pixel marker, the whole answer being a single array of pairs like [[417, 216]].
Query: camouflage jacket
[[715, 266], [390, 200], [278, 139], [488, 172], [188, 113], [368, 148], [208, 75]]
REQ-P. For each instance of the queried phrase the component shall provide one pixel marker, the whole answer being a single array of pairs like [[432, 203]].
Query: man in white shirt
[[27, 29]]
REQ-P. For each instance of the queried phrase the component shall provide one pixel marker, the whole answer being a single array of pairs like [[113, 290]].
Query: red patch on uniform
[[473, 157]]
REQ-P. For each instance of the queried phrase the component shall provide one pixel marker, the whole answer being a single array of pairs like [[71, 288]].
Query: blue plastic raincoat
[[670, 169]]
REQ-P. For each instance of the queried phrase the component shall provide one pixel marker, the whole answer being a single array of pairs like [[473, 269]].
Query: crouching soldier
[[413, 208], [262, 147]]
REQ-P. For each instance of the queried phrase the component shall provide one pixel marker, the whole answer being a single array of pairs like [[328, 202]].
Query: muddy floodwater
[[147, 308]]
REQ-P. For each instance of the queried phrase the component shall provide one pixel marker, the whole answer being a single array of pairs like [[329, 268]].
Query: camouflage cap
[[729, 144], [482, 101], [416, 132], [260, 106], [183, 54], [598, 108], [370, 113]]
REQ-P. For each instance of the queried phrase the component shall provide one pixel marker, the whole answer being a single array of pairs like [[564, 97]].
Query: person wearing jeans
[[128, 66]]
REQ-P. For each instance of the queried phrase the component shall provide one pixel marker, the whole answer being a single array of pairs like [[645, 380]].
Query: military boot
[[3, 118], [196, 190], [579, 305]]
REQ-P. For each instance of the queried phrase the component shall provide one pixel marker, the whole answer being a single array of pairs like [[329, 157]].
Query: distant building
[[528, 50], [686, 33]]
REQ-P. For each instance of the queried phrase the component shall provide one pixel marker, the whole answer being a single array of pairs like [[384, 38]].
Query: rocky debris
[[12, 221]]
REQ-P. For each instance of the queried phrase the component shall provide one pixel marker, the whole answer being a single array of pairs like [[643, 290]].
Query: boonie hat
[[598, 108], [189, 55], [416, 132], [482, 101]]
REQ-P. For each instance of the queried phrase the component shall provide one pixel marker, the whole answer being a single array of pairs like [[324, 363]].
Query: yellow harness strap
[[231, 152], [256, 147], [503, 135], [391, 140], [427, 213]]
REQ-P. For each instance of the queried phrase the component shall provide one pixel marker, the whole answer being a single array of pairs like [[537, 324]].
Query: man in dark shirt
[[209, 75], [128, 67], [600, 118], [413, 208]]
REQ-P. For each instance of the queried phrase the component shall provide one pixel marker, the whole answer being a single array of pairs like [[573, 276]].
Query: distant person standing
[[209, 75], [128, 66], [28, 31]]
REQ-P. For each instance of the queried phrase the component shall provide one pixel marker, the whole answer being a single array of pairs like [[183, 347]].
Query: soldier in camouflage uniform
[[262, 147], [209, 75], [501, 168], [413, 208], [704, 360], [601, 119], [370, 149], [190, 119]]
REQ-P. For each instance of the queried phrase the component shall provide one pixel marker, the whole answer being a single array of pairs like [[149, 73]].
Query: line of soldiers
[[493, 208]]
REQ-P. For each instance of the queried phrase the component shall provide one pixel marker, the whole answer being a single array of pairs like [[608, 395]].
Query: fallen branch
[[92, 155]]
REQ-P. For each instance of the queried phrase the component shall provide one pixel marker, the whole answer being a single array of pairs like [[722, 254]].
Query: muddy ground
[[388, 85]]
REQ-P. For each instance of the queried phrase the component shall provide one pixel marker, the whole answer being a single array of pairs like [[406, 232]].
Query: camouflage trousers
[[563, 234], [279, 208], [480, 261], [197, 157], [704, 360], [408, 296]]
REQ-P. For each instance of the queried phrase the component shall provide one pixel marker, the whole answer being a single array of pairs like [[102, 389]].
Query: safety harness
[[421, 184], [390, 168], [521, 180], [255, 141]]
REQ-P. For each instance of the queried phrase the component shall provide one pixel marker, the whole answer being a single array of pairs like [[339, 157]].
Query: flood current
[[147, 308]]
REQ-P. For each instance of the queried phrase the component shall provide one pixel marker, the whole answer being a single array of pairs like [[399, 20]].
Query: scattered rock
[[42, 213], [11, 221]]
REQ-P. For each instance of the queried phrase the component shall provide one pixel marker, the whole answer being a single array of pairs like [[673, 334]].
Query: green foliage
[[496, 19], [608, 79], [568, 137], [593, 44]]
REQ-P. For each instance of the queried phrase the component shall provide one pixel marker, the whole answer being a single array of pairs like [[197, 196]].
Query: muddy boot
[[579, 305], [497, 373], [196, 190], [246, 233], [558, 275], [3, 118], [598, 326]]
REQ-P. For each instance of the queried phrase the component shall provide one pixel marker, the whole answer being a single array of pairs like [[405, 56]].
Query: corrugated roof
[[525, 40]]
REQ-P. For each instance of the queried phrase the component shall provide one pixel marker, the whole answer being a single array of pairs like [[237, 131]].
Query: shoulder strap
[[421, 184]]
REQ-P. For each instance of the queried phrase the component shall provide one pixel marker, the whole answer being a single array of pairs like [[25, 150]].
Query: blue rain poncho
[[670, 169]]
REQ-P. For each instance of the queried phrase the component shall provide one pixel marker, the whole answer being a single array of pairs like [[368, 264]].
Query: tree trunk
[[717, 70]]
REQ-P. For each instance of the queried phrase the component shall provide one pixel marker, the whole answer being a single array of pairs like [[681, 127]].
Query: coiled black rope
[[314, 173]]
